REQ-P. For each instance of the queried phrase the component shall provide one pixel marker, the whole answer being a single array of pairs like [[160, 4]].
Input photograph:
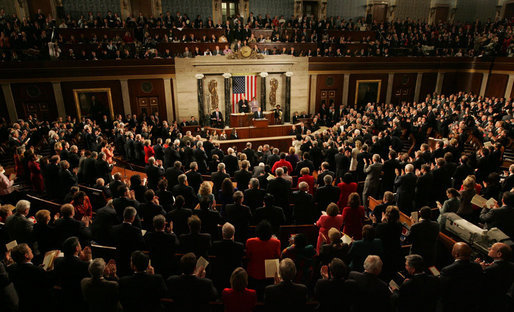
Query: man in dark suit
[[423, 236], [32, 283], [218, 177], [99, 293], [127, 199], [162, 244], [70, 270], [66, 179], [243, 176], [500, 217], [67, 226], [254, 196], [508, 183], [154, 172], [462, 282], [90, 169], [405, 188], [149, 209], [305, 162], [333, 291], [304, 211], [250, 154], [9, 300], [285, 288], [172, 174], [179, 216], [243, 105], [325, 170], [342, 162], [18, 226], [372, 183], [102, 167], [230, 161], [143, 290], [273, 214], [217, 119], [258, 114], [171, 155], [327, 193], [51, 176], [103, 221], [370, 286], [280, 188], [127, 238], [423, 185], [115, 184], [239, 215], [441, 181], [185, 191], [194, 178], [191, 291], [195, 242], [228, 256], [419, 290], [274, 157]]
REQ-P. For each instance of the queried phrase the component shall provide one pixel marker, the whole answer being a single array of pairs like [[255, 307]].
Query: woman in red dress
[[346, 188], [238, 298], [149, 152], [327, 221], [307, 178], [83, 208], [108, 150], [36, 178], [353, 217]]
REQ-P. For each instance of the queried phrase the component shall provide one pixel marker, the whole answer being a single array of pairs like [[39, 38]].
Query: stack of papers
[[271, 267]]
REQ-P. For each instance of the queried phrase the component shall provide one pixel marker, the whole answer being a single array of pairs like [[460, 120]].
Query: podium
[[240, 119], [260, 123]]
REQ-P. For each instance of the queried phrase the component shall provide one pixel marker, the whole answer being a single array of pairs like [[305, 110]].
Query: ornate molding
[[245, 54], [227, 75], [199, 76], [263, 74]]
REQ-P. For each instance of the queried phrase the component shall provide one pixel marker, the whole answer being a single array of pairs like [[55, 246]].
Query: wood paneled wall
[[329, 82], [35, 98], [353, 86], [147, 88], [404, 86], [428, 81], [496, 85], [456, 81]]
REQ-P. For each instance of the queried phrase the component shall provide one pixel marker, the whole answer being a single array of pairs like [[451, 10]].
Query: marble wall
[[213, 67], [346, 9], [470, 10], [413, 9], [82, 7]]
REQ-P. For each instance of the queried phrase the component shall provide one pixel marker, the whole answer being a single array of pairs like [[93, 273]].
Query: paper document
[[479, 201], [48, 261], [11, 245], [414, 216], [434, 271], [271, 267], [393, 285], [201, 262], [346, 239]]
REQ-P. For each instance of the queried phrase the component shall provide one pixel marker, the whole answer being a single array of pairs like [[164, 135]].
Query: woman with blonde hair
[[466, 209], [205, 192], [149, 152]]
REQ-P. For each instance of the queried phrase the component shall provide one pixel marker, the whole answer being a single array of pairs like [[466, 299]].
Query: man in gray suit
[[99, 293], [372, 184], [18, 226]]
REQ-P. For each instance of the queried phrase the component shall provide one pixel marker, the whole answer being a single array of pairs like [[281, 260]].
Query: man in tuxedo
[[258, 114], [172, 174], [18, 226], [143, 290], [217, 119], [191, 291], [154, 172], [419, 290], [462, 282], [185, 191], [228, 256], [218, 177], [285, 287], [304, 211], [327, 193], [243, 104], [370, 286], [280, 188], [32, 283], [372, 183], [405, 188], [127, 238], [423, 236], [70, 270]]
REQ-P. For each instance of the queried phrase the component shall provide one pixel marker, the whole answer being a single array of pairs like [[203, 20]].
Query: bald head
[[461, 251]]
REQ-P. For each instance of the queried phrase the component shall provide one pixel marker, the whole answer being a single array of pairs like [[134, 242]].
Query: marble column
[[199, 84], [346, 89], [59, 100], [287, 108], [263, 90], [9, 101], [508, 90], [417, 88], [125, 96], [483, 87], [168, 99], [228, 108], [389, 93], [439, 83], [314, 82]]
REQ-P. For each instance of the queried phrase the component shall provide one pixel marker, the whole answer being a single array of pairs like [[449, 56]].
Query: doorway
[[144, 7], [147, 105], [310, 8], [380, 13], [229, 9], [509, 11], [441, 14]]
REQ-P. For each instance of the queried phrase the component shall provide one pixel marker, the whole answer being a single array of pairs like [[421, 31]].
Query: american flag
[[243, 85]]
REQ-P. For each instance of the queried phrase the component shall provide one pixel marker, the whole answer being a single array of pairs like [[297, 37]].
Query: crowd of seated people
[[197, 200], [40, 37]]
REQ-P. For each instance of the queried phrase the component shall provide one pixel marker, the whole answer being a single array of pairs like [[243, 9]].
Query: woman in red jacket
[[238, 298], [327, 221], [307, 178], [83, 208], [149, 152], [36, 178], [346, 188], [258, 249], [353, 217]]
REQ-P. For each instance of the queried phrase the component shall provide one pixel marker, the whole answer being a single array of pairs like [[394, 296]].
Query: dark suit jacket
[[502, 218], [100, 295], [274, 296], [304, 211], [179, 218], [194, 179], [154, 174], [280, 189], [199, 244], [67, 227], [335, 294], [103, 170], [33, 286], [499, 277], [217, 178], [67, 180], [104, 220], [19, 228], [187, 192], [419, 292], [423, 236], [325, 195], [275, 215], [148, 212], [127, 238], [231, 164], [423, 185], [239, 216], [370, 286], [254, 198], [172, 176], [258, 115], [191, 293], [162, 247], [242, 178], [69, 271], [405, 189], [8, 297], [228, 256], [462, 286], [142, 292]]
